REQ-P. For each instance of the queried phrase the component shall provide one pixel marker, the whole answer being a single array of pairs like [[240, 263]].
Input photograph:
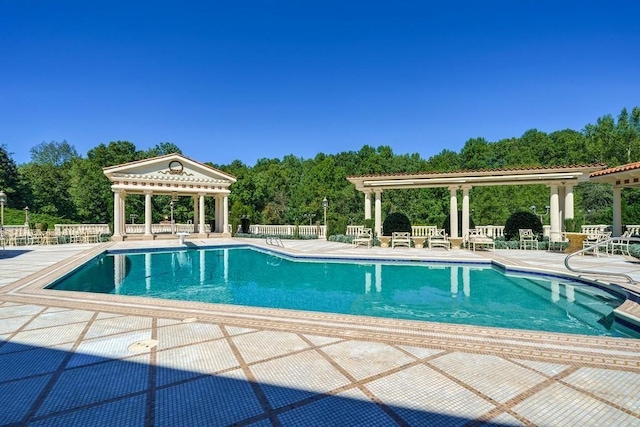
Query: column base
[[148, 237], [117, 238]]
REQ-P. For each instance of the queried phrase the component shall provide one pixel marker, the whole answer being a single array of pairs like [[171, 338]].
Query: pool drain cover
[[144, 345]]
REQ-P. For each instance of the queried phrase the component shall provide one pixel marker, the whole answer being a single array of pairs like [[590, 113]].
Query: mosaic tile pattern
[[67, 361]]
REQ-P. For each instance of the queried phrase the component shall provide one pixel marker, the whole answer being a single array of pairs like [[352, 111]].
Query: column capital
[[466, 187], [453, 187], [148, 191]]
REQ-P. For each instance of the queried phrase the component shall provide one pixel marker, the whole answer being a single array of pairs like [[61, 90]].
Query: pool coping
[[540, 346]]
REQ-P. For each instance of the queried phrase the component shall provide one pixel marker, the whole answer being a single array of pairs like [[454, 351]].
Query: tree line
[[67, 187]]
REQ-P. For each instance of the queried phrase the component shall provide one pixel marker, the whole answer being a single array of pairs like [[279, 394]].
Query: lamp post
[[3, 200], [133, 218], [26, 216], [325, 204]]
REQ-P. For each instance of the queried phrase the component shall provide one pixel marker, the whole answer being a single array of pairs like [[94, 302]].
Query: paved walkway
[[72, 359]]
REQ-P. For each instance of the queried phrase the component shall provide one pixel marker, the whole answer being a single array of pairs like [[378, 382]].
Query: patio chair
[[557, 241], [528, 240], [477, 238], [621, 244], [363, 237], [439, 239], [400, 238], [592, 242]]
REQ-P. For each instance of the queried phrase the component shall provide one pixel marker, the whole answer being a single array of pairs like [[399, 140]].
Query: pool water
[[465, 294]]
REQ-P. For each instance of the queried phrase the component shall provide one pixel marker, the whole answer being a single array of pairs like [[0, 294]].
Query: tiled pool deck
[[67, 359]]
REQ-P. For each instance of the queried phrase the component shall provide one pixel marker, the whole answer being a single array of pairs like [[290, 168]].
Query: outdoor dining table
[[575, 241]]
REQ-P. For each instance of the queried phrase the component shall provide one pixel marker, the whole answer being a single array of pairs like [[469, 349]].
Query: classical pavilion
[[172, 175], [559, 180]]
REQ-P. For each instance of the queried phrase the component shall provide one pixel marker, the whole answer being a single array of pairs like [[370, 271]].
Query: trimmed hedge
[[396, 222], [522, 219]]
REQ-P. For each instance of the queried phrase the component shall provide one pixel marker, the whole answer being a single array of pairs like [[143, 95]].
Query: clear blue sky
[[252, 79]]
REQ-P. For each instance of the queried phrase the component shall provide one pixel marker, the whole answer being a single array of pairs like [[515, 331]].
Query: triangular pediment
[[171, 167]]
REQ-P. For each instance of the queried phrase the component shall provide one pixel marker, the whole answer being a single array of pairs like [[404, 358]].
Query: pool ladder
[[274, 241], [594, 248]]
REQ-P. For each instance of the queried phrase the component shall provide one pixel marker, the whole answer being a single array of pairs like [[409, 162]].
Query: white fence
[[165, 228], [77, 229], [493, 231], [288, 230]]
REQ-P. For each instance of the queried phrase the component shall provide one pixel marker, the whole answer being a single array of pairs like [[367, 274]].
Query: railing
[[288, 230], [423, 230], [164, 228], [274, 241], [593, 229], [596, 247], [354, 230], [493, 231], [76, 229]]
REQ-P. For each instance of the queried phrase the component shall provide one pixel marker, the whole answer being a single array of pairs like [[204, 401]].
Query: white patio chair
[[439, 239], [400, 238], [363, 237], [528, 240]]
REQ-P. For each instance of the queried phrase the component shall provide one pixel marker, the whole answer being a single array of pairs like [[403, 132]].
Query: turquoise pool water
[[466, 294]]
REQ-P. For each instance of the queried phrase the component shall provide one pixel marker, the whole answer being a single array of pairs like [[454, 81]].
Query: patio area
[[112, 360]]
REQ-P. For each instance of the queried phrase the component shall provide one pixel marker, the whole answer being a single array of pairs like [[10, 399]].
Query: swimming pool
[[475, 294]]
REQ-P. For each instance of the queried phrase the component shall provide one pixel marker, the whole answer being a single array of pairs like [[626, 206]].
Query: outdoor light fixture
[[325, 205], [3, 200], [26, 216]]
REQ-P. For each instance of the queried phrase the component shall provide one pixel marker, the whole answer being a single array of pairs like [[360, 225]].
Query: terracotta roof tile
[[621, 168], [519, 168]]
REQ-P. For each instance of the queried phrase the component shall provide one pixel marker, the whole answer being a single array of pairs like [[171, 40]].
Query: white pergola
[[170, 175], [560, 181], [625, 176]]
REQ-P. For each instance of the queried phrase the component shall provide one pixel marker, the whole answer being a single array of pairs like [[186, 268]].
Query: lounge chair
[[439, 239], [363, 237], [400, 238], [477, 238], [528, 240]]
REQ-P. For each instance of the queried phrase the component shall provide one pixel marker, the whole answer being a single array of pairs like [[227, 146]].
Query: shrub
[[447, 224], [519, 220], [395, 222]]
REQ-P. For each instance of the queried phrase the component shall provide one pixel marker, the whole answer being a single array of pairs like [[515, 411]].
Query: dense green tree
[[10, 179], [53, 153]]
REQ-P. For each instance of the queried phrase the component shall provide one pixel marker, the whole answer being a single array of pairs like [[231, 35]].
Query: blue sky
[[253, 79]]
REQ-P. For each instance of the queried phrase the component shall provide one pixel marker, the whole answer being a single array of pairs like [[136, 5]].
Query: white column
[[201, 226], [117, 226], [453, 211], [568, 202], [378, 213], [561, 202], [225, 215], [367, 205], [465, 209], [617, 212], [147, 213], [196, 229], [123, 210], [555, 210]]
